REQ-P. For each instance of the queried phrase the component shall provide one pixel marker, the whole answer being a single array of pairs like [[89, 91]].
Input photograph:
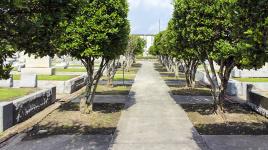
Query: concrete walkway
[[153, 120]]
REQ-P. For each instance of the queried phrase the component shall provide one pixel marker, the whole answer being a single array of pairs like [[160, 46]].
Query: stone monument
[[39, 66], [260, 73]]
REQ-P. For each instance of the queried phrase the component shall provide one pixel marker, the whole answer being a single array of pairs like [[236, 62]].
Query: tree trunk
[[85, 108], [86, 103], [190, 72], [129, 61]]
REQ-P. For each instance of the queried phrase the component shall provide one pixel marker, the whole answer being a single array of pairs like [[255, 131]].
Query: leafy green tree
[[171, 47], [99, 30], [183, 50], [135, 47], [228, 32], [30, 26]]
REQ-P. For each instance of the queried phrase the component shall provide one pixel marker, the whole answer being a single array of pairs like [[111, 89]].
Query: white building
[[149, 38]]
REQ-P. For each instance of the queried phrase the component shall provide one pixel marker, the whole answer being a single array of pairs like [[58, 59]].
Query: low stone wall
[[75, 84], [23, 108], [28, 106], [66, 87], [261, 73], [257, 100], [6, 115], [237, 88]]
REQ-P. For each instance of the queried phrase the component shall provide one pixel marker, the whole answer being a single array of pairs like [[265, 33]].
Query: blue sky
[[144, 15]]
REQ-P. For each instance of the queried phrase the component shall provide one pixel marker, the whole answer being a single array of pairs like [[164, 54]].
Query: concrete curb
[[9, 133]]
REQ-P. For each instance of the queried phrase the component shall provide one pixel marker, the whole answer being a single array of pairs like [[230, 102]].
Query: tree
[[172, 48], [30, 26], [111, 70], [135, 46], [228, 32], [5, 45], [5, 52], [100, 29], [183, 48]]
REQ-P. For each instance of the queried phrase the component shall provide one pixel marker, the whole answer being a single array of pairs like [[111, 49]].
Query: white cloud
[[161, 4], [134, 3]]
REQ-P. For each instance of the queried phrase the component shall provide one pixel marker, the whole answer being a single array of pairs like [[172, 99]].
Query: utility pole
[[159, 25]]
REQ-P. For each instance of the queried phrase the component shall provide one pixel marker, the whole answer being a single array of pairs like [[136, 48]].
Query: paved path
[[153, 120], [62, 142]]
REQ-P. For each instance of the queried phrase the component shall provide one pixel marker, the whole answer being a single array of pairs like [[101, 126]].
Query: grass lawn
[[50, 78], [131, 71], [75, 65], [172, 78], [68, 120], [71, 70], [127, 77], [146, 57], [115, 90], [7, 94], [252, 79], [119, 77], [238, 119]]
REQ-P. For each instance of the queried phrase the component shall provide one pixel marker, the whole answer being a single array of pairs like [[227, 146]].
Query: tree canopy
[[99, 29], [31, 26], [229, 33]]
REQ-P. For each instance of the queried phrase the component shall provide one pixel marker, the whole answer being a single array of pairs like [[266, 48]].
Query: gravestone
[[63, 65], [39, 66], [28, 81], [6, 115], [6, 83], [232, 88], [260, 73]]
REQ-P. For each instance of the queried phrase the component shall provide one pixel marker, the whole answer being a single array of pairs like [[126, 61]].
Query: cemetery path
[[152, 119]]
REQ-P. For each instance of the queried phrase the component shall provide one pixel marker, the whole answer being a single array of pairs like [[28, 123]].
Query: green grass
[[252, 79], [119, 77], [131, 71], [116, 90], [75, 65], [127, 77], [7, 94], [146, 57], [71, 70], [50, 78]]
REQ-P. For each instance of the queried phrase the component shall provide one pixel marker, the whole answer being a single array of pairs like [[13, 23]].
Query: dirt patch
[[238, 119], [68, 120], [182, 90], [136, 65]]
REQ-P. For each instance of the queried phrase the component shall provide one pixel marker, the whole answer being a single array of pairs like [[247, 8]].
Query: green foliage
[[5, 52], [50, 78], [232, 33], [252, 79], [99, 29], [226, 30], [30, 26], [135, 45]]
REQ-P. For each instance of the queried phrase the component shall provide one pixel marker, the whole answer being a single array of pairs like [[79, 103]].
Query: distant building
[[149, 38]]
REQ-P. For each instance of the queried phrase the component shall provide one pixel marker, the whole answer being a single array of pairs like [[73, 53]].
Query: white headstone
[[32, 62], [28, 81], [6, 83], [40, 66]]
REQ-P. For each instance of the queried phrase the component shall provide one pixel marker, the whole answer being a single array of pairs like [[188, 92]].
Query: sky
[[144, 15]]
